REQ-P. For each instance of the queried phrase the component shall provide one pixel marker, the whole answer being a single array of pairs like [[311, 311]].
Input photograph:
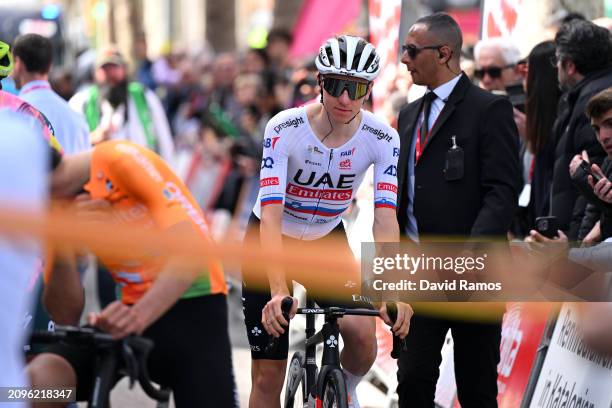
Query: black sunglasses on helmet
[[335, 87]]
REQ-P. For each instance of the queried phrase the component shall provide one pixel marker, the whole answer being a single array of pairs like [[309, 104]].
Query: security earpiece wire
[[448, 66]]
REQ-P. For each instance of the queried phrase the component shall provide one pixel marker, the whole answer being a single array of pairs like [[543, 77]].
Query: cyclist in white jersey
[[314, 159]]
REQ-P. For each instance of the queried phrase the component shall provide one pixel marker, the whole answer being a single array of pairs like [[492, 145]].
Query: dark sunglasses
[[494, 72], [335, 87], [412, 50]]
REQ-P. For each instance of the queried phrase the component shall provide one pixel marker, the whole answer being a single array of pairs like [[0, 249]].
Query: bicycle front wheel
[[334, 390], [295, 389]]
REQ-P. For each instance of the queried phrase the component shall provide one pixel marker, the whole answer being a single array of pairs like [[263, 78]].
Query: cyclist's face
[[342, 107]]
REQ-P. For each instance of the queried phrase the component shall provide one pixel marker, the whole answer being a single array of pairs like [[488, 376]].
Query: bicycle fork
[[329, 336]]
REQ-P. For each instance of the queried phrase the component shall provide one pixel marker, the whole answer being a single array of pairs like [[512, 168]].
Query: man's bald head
[[445, 30]]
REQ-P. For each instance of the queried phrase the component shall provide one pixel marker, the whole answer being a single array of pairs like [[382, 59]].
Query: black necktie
[[427, 100]]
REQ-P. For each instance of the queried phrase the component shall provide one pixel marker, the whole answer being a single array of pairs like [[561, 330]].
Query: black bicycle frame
[[106, 366], [329, 335]]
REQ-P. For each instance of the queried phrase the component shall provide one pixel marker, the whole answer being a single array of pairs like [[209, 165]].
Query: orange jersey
[[144, 191]]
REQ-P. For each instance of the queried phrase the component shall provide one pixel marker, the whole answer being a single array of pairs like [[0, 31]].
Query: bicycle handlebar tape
[[398, 344], [392, 311], [286, 305]]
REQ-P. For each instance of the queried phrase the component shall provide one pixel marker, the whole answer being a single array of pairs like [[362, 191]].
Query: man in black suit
[[446, 193]]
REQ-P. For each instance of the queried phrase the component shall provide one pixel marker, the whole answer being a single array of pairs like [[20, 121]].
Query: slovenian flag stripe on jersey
[[384, 204], [324, 212], [271, 200]]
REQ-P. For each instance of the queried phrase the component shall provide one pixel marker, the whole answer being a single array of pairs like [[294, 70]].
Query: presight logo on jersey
[[295, 122], [267, 163], [345, 164], [348, 152], [387, 187], [380, 135]]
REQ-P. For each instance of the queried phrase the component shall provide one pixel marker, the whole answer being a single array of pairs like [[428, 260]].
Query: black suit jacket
[[482, 202]]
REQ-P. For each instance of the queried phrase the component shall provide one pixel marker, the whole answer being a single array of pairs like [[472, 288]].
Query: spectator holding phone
[[583, 60], [592, 180]]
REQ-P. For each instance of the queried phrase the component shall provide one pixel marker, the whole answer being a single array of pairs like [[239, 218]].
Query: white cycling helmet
[[348, 55]]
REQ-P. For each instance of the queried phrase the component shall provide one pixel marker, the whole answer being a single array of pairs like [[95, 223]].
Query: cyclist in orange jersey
[[183, 311]]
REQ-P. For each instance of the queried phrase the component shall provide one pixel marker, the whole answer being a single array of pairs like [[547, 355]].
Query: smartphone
[[586, 166], [516, 95], [547, 226]]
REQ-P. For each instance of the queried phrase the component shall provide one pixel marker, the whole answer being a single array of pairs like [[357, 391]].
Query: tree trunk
[[285, 13], [220, 24]]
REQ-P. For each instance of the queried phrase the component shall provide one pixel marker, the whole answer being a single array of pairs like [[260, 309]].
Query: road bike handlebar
[[134, 350]]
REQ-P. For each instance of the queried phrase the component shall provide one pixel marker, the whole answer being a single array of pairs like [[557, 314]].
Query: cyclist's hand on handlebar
[[272, 317], [402, 322], [118, 320]]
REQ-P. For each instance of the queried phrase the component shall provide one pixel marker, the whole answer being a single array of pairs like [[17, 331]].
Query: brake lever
[[131, 364], [286, 305], [392, 312]]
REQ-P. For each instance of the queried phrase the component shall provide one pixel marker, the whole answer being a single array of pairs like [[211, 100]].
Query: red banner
[[320, 19], [384, 35]]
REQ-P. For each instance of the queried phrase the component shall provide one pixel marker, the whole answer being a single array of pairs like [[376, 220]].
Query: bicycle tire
[[295, 381], [334, 393]]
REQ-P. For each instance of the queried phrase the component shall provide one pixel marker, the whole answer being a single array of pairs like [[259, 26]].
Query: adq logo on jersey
[[391, 170], [267, 163], [345, 164]]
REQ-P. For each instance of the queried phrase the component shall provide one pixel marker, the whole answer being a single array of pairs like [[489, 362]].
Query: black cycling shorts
[[254, 299], [192, 355]]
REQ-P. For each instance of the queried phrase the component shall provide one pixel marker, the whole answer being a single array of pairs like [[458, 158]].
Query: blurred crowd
[[217, 107], [205, 114]]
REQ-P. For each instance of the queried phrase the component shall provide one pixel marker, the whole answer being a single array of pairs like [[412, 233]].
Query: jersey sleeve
[[385, 172], [274, 164]]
